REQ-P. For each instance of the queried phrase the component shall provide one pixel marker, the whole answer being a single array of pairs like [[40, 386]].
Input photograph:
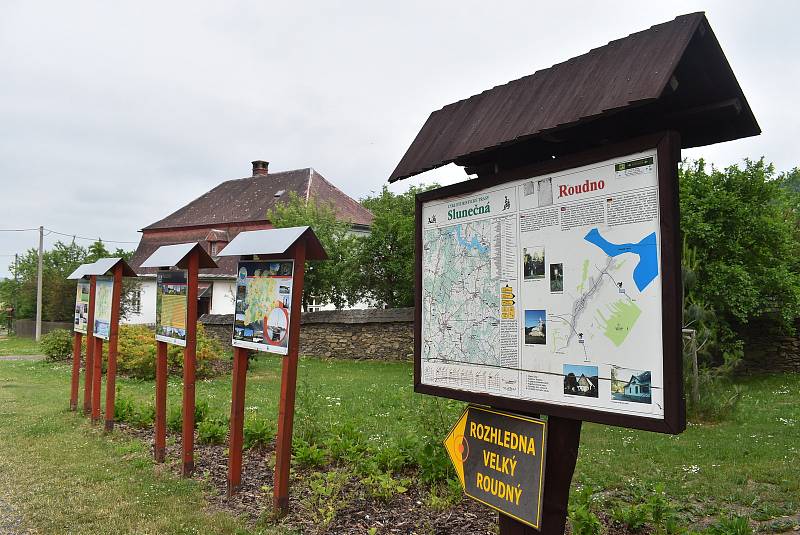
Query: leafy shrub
[[143, 416], [733, 525], [634, 518], [433, 463], [212, 431], [175, 419], [581, 517], [124, 408], [136, 353], [57, 344], [383, 486], [201, 411], [257, 433], [309, 455]]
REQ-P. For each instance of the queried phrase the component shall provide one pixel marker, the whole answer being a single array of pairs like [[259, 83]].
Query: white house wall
[[147, 314], [222, 297]]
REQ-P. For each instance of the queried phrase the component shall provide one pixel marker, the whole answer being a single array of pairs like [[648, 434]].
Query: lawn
[[18, 345], [62, 474]]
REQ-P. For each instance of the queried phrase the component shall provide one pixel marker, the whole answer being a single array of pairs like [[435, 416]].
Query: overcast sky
[[114, 114]]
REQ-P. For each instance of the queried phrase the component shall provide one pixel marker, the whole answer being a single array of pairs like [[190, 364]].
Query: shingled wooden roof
[[249, 199], [672, 76]]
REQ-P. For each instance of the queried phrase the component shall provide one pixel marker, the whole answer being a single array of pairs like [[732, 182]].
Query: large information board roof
[[79, 272], [275, 241], [672, 76], [104, 265], [177, 255]]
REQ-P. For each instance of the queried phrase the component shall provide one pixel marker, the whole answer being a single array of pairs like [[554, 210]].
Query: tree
[[332, 280], [386, 256], [58, 293], [742, 230]]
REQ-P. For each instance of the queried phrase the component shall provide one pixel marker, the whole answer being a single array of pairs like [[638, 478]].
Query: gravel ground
[[10, 520], [22, 357]]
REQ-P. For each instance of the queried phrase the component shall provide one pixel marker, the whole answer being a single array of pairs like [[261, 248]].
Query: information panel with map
[[103, 293], [263, 301], [548, 289], [81, 307], [172, 303]]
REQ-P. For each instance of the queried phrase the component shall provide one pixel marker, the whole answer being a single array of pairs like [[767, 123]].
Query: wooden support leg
[[237, 420], [76, 371], [563, 440], [111, 385], [188, 416], [283, 445], [161, 401], [88, 375], [97, 379]]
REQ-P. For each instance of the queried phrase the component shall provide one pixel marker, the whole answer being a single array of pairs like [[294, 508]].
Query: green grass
[[748, 465], [17, 345]]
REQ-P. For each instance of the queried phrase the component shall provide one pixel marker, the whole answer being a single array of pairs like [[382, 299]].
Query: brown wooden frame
[[667, 145]]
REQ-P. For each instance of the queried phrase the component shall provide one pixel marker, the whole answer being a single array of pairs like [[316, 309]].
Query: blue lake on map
[[472, 244], [647, 251]]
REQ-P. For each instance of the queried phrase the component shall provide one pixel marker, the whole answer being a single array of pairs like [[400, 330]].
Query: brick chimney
[[260, 168]]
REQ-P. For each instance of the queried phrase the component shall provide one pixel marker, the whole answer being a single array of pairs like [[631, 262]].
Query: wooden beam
[[160, 446], [237, 420], [190, 365], [76, 371], [283, 443], [113, 342], [89, 364]]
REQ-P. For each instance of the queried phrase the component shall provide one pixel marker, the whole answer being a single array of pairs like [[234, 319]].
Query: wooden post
[[189, 365], [283, 443], [76, 370], [113, 339], [237, 420], [161, 401], [563, 441], [97, 378], [89, 364]]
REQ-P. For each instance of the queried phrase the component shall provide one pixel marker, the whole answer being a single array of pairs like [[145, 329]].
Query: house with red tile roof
[[217, 216]]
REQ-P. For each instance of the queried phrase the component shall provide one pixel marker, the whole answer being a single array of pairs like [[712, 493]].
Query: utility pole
[[16, 292], [39, 287]]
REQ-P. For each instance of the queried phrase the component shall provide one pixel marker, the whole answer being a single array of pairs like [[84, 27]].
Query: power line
[[51, 231], [74, 236]]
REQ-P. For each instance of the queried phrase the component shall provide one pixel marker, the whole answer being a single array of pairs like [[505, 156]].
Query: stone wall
[[347, 334], [766, 349], [27, 328]]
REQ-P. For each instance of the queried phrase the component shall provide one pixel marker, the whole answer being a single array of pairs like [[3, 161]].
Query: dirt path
[[10, 520]]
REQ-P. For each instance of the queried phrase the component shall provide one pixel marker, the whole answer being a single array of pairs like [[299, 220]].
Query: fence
[[348, 334]]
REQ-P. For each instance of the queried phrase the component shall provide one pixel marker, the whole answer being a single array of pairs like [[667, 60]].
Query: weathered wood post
[[76, 370], [79, 329], [113, 341], [190, 366], [97, 378], [105, 296], [176, 324], [89, 364], [239, 380], [283, 445], [160, 446], [265, 258]]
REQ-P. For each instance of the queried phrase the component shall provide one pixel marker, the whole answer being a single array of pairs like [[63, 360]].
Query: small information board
[[171, 306], [499, 458], [104, 290], [81, 307], [263, 301]]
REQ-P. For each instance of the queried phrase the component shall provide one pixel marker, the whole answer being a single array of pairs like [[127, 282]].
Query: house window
[[213, 248], [136, 302], [313, 304]]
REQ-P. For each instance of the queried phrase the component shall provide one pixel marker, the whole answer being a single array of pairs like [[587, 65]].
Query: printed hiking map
[[263, 300], [549, 289]]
